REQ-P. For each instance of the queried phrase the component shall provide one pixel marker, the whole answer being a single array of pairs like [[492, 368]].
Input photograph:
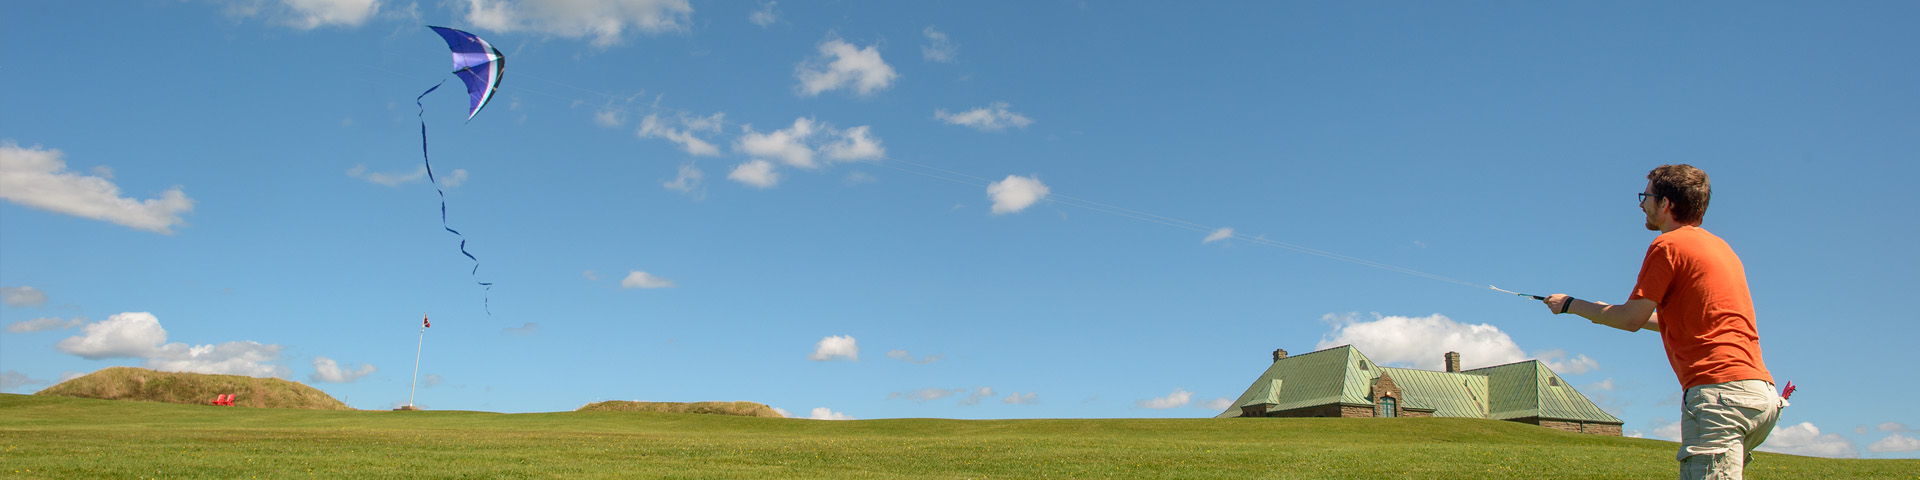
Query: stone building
[[1342, 382]]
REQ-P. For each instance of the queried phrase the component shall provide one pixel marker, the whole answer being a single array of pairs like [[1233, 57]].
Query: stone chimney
[[1453, 362], [1279, 354]]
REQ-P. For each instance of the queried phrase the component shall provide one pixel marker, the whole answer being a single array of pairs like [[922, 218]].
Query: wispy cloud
[[307, 14], [38, 178], [22, 296], [640, 279], [905, 356], [327, 370], [1179, 398], [605, 21], [652, 126], [991, 118], [842, 65], [45, 324], [1222, 234], [764, 16], [939, 47]]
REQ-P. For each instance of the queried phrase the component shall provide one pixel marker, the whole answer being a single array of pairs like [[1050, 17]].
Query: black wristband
[[1568, 304]]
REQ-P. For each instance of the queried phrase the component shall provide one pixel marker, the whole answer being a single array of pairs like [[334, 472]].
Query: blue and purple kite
[[481, 66]]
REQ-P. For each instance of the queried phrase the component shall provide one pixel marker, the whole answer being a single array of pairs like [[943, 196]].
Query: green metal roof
[[1527, 389], [1342, 375], [1319, 378], [1448, 394]]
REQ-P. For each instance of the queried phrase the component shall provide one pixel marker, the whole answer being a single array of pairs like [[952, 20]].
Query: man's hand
[[1558, 303]]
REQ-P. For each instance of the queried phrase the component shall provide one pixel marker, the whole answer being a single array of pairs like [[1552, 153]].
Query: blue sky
[[958, 210]]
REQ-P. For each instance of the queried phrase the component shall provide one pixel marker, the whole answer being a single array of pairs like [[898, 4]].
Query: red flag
[[424, 323]]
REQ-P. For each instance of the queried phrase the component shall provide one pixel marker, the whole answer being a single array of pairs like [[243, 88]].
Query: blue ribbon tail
[[487, 299]]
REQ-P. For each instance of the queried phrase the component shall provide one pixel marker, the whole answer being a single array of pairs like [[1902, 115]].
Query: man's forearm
[[1616, 316]]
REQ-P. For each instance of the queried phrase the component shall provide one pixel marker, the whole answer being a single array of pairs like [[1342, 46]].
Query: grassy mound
[[143, 385], [744, 409]]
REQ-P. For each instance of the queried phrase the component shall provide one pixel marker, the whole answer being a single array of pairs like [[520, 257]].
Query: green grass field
[[55, 437]]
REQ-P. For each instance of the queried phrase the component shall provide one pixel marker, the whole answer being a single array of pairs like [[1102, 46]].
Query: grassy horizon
[[56, 437]]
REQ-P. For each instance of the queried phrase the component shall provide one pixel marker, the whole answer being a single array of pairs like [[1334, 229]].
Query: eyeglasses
[[1645, 196]]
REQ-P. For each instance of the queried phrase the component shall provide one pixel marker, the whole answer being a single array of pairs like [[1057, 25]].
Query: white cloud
[[688, 181], [610, 117], [139, 335], [1422, 341], [22, 296], [1669, 431], [524, 330], [1220, 403], [1017, 398], [823, 413], [1557, 361], [1894, 443], [590, 276], [38, 178], [835, 346], [976, 395], [925, 394], [783, 412], [855, 143], [1016, 193], [1222, 234], [842, 65], [939, 47], [788, 145], [756, 173], [327, 370], [1600, 386], [12, 379], [1806, 439], [396, 179], [102, 171], [606, 21], [1894, 427], [991, 118], [454, 179], [653, 127], [310, 14], [905, 356], [307, 14], [764, 16], [45, 324], [1179, 398], [639, 279]]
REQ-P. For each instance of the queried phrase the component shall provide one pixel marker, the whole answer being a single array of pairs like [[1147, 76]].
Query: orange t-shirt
[[1706, 312]]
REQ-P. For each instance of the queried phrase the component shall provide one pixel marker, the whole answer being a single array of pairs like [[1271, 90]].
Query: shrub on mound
[[744, 409], [143, 385]]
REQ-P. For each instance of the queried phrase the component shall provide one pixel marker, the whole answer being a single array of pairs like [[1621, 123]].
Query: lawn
[[54, 437]]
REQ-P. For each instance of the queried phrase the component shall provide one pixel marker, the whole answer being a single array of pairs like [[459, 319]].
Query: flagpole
[[416, 359]]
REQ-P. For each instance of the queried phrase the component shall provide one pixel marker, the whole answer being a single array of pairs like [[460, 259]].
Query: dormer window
[[1363, 364], [1553, 381]]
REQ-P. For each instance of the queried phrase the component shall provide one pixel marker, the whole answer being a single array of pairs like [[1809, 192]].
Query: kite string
[[486, 299]]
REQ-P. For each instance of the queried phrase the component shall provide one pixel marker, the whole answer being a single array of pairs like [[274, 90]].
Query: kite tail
[[487, 298]]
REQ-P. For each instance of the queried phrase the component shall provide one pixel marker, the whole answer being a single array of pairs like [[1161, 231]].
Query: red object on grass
[[224, 399]]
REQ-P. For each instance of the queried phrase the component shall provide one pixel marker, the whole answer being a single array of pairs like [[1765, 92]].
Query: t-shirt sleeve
[[1656, 274]]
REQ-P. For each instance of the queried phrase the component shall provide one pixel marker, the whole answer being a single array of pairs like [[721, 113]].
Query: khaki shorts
[[1721, 424]]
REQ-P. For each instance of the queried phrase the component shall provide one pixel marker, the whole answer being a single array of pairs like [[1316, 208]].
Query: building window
[[1363, 365], [1553, 381], [1384, 409]]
